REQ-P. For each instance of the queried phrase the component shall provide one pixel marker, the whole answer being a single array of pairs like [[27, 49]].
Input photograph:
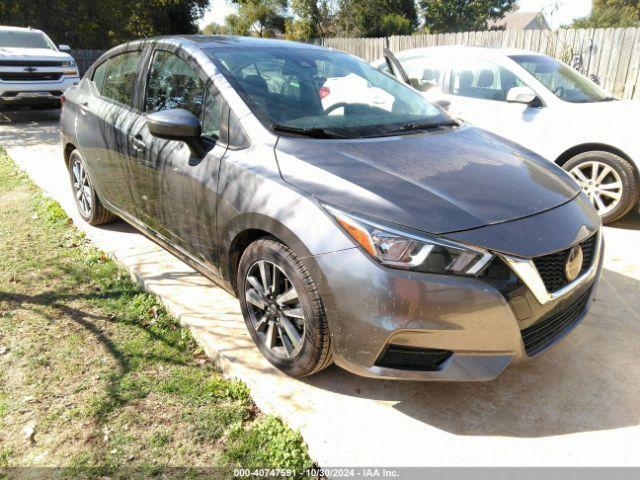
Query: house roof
[[521, 21]]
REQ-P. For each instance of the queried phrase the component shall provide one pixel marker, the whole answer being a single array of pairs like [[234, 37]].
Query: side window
[[98, 75], [120, 77], [211, 116], [423, 72], [173, 83], [482, 79]]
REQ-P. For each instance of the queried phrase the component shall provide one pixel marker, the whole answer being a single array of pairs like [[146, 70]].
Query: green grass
[[110, 379]]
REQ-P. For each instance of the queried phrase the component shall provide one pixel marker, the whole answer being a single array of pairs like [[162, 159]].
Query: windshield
[[324, 93], [23, 39], [565, 82]]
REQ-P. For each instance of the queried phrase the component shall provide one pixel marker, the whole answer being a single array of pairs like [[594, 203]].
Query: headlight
[[403, 250], [69, 63]]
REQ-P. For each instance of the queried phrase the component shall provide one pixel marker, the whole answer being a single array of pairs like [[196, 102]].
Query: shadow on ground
[[631, 221], [32, 127], [590, 381]]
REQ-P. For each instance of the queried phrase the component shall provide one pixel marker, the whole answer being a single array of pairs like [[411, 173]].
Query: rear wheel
[[610, 182], [89, 206], [282, 309]]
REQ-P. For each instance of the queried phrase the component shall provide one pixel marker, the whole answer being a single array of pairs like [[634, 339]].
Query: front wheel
[[610, 182], [282, 309]]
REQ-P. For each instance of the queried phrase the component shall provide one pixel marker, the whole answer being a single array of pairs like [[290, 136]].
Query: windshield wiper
[[416, 126], [426, 125], [313, 132]]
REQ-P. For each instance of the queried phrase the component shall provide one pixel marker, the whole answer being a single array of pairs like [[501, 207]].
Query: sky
[[559, 12]]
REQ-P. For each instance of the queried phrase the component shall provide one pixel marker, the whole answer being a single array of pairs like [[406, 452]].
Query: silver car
[[356, 222]]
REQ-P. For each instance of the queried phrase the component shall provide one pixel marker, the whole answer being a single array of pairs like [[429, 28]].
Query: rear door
[[175, 190], [105, 112]]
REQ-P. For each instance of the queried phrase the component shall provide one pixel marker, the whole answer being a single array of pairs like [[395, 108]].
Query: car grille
[[31, 63], [556, 325], [551, 267], [29, 76]]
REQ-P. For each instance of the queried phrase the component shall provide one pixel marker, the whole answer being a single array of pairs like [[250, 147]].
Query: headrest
[[465, 79], [255, 84], [485, 79]]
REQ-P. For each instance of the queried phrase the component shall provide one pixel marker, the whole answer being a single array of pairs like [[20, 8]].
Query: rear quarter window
[[120, 76], [98, 75]]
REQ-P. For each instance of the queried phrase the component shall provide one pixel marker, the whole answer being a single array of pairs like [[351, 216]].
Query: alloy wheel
[[274, 309], [601, 183], [82, 188]]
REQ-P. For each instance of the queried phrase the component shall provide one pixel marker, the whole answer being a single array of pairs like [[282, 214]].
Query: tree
[[312, 19], [366, 18], [263, 18], [216, 29], [102, 24], [611, 13], [395, 24], [442, 16]]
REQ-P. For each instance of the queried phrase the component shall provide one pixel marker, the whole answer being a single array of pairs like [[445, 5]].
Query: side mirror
[[64, 48], [178, 124], [522, 95]]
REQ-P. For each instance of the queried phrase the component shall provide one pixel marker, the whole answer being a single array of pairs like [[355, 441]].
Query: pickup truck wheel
[[283, 309], [89, 206], [610, 182]]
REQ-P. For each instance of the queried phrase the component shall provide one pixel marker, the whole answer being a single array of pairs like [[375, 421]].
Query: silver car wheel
[[274, 308], [600, 183], [82, 188]]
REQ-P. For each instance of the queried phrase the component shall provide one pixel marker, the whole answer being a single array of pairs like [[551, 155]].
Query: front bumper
[[34, 93], [371, 307]]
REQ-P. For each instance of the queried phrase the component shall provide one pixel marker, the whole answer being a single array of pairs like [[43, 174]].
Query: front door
[[175, 190], [477, 93]]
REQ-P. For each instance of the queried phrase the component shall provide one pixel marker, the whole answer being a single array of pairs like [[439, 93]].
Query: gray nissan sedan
[[356, 222]]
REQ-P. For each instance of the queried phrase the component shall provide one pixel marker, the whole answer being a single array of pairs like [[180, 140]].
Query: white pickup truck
[[33, 70]]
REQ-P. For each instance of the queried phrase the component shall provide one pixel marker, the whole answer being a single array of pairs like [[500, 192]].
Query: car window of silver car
[[324, 93], [98, 75], [563, 81], [211, 115], [478, 78], [173, 83], [119, 79]]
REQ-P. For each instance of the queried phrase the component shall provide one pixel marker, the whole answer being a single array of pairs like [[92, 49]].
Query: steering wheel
[[335, 106], [559, 91]]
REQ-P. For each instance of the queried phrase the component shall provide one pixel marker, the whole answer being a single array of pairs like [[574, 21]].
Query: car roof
[[19, 29], [486, 52], [212, 41]]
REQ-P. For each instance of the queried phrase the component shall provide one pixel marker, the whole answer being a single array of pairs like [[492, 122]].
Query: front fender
[[254, 197]]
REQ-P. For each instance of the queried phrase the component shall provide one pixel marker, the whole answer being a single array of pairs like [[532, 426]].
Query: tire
[[621, 172], [89, 205], [313, 352]]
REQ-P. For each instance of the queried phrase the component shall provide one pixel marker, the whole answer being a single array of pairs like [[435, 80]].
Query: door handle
[[138, 144]]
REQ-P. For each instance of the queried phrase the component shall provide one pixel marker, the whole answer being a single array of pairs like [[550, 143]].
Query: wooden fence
[[610, 54]]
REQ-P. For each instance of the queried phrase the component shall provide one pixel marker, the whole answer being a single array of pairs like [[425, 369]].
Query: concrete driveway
[[579, 404]]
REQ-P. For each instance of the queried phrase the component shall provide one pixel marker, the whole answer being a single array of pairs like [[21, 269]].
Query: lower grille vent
[[558, 324], [412, 358]]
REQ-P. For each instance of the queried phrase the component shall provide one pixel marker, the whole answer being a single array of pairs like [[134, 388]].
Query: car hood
[[10, 53], [437, 182]]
